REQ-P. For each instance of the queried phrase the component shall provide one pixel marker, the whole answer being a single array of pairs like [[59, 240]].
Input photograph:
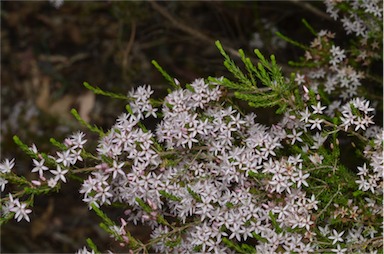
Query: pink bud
[[123, 222], [35, 182], [145, 217], [126, 239], [68, 142], [154, 215], [151, 204], [102, 166]]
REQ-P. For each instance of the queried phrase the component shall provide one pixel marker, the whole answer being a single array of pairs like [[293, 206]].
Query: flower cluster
[[336, 75], [50, 170], [360, 17], [203, 168]]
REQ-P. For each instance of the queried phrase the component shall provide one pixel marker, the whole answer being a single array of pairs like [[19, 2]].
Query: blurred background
[[48, 51]]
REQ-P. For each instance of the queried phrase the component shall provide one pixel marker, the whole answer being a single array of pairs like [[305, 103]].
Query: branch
[[189, 30], [309, 7]]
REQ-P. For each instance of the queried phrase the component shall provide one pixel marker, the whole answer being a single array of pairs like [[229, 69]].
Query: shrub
[[210, 178]]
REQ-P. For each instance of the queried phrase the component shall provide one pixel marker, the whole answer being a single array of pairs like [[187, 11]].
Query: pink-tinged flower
[[59, 174], [305, 115], [77, 140], [300, 79], [336, 237], [7, 165], [3, 182], [299, 178], [33, 149], [363, 170], [52, 182], [339, 250], [20, 210], [316, 123], [39, 167], [35, 182], [295, 136], [65, 158], [116, 169], [338, 55], [318, 109]]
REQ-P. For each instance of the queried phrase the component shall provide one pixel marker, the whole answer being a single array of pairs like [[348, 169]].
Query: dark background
[[47, 53]]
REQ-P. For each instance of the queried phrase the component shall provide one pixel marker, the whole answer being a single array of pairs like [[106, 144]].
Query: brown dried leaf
[[87, 102], [62, 107], [42, 100]]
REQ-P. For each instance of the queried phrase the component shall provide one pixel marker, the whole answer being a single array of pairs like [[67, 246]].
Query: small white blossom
[[336, 237], [339, 249], [84, 250], [7, 165], [299, 178], [20, 210], [318, 109], [59, 174], [65, 158], [300, 79], [39, 167], [316, 123], [3, 182]]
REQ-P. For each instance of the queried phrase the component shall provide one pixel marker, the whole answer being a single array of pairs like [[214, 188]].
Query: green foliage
[[259, 238], [58, 144], [48, 161], [93, 128], [103, 216], [229, 205], [293, 42], [272, 91], [37, 191], [24, 147], [194, 194], [248, 248], [129, 109], [197, 248], [243, 248], [234, 69], [15, 179], [108, 224], [275, 224], [98, 90], [5, 218], [165, 75], [310, 28], [92, 245], [173, 243], [169, 196], [143, 205]]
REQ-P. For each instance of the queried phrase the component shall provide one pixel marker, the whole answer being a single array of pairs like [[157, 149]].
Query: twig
[[309, 7], [329, 203], [129, 46], [189, 30]]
